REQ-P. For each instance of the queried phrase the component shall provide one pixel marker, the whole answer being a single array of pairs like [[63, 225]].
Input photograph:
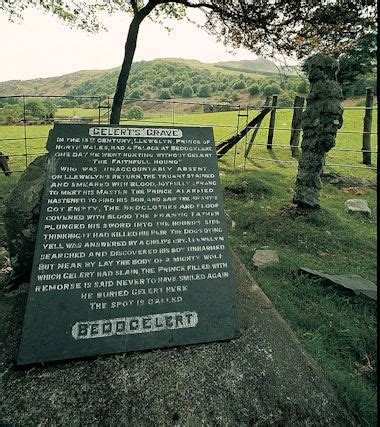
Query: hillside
[[256, 65], [59, 85], [67, 84], [187, 81]]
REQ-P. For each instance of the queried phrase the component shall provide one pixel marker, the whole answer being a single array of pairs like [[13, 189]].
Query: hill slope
[[67, 84], [255, 65], [59, 85]]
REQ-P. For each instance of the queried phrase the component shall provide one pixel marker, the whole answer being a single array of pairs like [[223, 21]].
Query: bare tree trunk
[[130, 48]]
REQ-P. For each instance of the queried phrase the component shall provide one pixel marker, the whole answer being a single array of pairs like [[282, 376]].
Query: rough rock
[[21, 216], [321, 120], [358, 206], [265, 257], [264, 377]]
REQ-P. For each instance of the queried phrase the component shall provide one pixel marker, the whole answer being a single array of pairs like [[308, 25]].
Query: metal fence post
[[108, 109], [367, 127], [99, 101], [237, 131], [25, 138], [272, 122], [296, 124], [246, 137]]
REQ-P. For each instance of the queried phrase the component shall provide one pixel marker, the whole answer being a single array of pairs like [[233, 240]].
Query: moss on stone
[[321, 120], [21, 216]]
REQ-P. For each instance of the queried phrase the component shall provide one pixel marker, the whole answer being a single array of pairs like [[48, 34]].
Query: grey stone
[[264, 377], [22, 214], [265, 257], [229, 222], [319, 130], [358, 206]]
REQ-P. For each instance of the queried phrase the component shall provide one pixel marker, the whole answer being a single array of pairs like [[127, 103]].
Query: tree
[[357, 62], [288, 27]]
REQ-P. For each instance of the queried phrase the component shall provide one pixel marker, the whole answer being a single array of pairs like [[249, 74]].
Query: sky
[[42, 46]]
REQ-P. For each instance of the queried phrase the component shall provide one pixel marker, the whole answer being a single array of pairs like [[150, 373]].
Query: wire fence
[[25, 121]]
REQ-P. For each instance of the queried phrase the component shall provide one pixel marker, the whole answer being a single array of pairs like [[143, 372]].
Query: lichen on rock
[[321, 120]]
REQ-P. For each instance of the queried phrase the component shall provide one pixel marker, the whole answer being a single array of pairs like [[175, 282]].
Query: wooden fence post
[[296, 124], [366, 147], [272, 122], [255, 131]]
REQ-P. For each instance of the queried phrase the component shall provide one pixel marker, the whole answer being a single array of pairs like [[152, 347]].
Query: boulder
[[265, 257], [358, 206], [21, 216]]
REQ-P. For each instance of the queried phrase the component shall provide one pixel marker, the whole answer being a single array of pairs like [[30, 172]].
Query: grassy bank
[[338, 329]]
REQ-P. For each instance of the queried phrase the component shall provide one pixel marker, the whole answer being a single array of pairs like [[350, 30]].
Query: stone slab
[[265, 257], [264, 377], [131, 244]]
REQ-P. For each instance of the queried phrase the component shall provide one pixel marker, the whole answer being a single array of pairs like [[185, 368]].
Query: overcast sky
[[42, 46]]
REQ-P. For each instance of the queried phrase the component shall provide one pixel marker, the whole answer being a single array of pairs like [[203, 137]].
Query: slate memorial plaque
[[132, 248]]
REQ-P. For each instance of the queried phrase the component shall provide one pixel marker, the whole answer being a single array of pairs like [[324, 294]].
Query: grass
[[339, 330], [224, 125]]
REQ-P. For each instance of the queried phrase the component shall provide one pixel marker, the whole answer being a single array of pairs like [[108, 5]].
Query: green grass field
[[224, 124], [337, 329]]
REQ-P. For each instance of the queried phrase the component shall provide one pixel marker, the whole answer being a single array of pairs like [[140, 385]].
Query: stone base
[[263, 377]]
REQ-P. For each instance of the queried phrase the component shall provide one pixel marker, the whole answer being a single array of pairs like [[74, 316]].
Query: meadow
[[338, 329], [225, 124]]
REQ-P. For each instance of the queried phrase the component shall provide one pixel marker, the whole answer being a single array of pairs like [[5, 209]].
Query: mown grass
[[338, 329]]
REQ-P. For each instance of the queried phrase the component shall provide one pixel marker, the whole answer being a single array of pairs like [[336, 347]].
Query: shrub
[[285, 100], [165, 94], [177, 88], [204, 91], [135, 113], [238, 84], [271, 89], [187, 91], [303, 87], [254, 89], [135, 94], [234, 96], [167, 82]]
